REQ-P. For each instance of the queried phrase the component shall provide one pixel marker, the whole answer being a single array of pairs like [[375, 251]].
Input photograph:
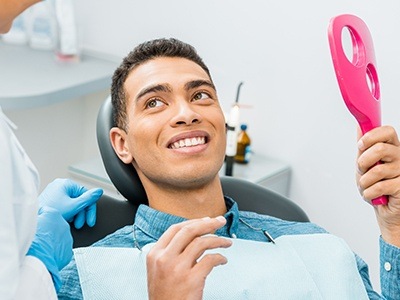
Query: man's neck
[[204, 201]]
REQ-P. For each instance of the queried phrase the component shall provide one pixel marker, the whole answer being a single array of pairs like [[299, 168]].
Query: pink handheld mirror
[[357, 78]]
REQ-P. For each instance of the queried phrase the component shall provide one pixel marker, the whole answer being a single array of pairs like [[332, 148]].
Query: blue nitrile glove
[[72, 200], [52, 243]]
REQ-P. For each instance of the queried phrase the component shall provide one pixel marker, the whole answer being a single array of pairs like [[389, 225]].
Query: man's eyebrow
[[154, 88], [197, 83]]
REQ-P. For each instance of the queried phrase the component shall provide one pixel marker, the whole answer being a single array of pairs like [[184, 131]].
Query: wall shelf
[[32, 78]]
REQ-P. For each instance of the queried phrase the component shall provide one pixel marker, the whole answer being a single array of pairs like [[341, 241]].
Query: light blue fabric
[[294, 268], [390, 278], [150, 224], [123, 268]]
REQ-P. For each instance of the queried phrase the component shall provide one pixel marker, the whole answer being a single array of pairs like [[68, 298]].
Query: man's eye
[[201, 95], [154, 103]]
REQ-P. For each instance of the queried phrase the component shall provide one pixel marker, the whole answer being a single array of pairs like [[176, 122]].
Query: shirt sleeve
[[71, 287], [363, 269], [389, 270]]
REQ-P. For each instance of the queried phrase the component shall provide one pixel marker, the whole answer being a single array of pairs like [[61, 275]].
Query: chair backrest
[[113, 213]]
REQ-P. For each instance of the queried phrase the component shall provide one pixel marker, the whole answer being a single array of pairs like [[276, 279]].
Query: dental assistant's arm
[[50, 251], [382, 144], [10, 9], [61, 201]]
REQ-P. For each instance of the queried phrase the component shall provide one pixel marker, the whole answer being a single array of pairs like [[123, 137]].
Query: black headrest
[[123, 176]]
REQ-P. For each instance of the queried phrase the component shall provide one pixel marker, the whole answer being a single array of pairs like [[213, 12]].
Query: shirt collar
[[150, 224]]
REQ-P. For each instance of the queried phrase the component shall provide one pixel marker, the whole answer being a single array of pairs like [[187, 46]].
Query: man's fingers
[[178, 261], [380, 152], [383, 134], [168, 235], [207, 263], [383, 187], [183, 233], [192, 230], [200, 244], [377, 173]]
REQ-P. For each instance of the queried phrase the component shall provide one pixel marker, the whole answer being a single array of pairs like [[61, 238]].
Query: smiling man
[[171, 128], [174, 136]]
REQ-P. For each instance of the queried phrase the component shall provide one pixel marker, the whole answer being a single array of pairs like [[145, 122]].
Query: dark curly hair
[[142, 53]]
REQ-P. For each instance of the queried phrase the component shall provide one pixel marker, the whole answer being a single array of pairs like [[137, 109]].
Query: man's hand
[[381, 145], [175, 266]]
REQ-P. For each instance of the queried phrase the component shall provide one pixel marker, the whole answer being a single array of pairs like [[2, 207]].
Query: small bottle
[[18, 34], [68, 46], [243, 152], [42, 26]]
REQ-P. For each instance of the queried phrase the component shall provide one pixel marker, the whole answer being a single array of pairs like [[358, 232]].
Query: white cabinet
[[266, 171]]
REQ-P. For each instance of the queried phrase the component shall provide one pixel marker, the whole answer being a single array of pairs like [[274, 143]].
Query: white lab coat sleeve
[[35, 281], [9, 250], [18, 214]]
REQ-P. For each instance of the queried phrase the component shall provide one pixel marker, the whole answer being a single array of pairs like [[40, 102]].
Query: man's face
[[176, 128]]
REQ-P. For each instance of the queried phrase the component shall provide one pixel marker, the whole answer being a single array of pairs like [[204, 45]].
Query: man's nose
[[185, 114]]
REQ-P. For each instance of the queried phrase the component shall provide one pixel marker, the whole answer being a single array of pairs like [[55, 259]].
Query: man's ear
[[120, 145]]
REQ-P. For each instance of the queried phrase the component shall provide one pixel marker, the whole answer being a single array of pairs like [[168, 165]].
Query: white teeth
[[188, 142]]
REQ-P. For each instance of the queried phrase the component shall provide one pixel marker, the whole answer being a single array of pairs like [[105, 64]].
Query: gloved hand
[[73, 201], [52, 243]]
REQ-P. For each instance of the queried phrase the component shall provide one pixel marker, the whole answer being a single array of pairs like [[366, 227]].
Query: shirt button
[[387, 266], [233, 236]]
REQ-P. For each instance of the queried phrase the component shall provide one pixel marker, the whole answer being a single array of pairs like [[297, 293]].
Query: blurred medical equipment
[[18, 33], [113, 214], [68, 46], [231, 134], [42, 26], [358, 77], [47, 25]]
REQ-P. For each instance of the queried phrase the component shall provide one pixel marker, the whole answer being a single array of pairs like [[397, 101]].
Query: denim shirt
[[150, 224]]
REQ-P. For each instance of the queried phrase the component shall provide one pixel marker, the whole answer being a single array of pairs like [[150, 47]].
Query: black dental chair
[[113, 214]]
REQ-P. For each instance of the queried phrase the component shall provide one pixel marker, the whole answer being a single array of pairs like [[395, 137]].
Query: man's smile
[[188, 142]]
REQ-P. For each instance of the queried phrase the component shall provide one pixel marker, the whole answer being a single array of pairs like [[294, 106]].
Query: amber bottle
[[243, 151]]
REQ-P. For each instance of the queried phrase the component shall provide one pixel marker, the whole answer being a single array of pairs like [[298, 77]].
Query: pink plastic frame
[[358, 78]]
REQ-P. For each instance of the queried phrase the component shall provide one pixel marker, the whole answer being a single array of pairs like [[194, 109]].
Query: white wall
[[59, 135], [280, 50]]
